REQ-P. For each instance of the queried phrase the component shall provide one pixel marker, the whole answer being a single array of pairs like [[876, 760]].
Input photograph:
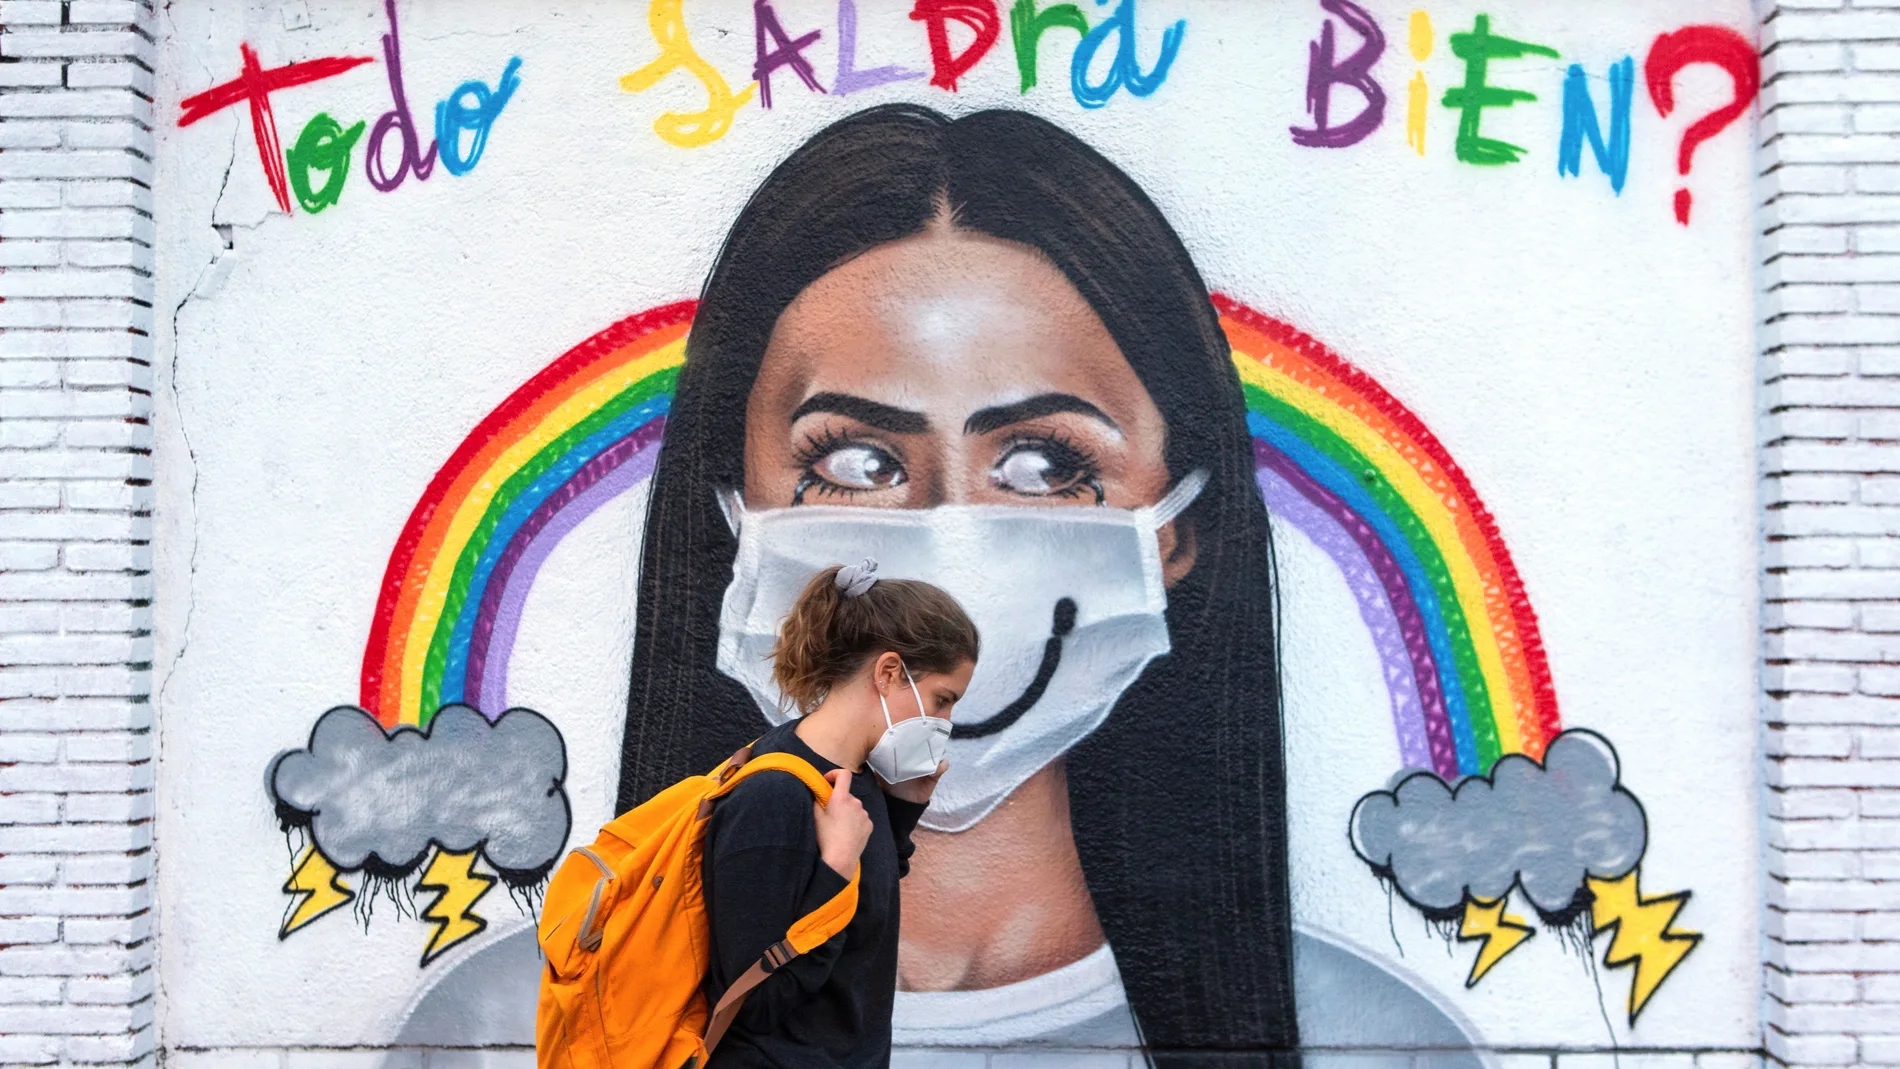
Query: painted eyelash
[[816, 448], [1079, 455]]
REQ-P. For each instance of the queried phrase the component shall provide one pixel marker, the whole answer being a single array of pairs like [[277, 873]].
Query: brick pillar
[[1830, 367], [76, 767]]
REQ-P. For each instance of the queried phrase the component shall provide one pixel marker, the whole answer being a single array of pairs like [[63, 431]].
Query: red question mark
[[1700, 44]]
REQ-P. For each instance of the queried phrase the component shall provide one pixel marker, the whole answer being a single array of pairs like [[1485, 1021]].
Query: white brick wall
[[1830, 366], [76, 768]]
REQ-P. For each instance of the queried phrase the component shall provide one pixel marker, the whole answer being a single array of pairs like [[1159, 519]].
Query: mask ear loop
[[1178, 499], [731, 506], [921, 711]]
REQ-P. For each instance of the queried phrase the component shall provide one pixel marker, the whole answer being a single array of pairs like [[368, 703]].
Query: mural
[[947, 325]]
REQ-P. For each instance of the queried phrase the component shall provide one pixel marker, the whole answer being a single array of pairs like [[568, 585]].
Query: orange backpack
[[627, 943]]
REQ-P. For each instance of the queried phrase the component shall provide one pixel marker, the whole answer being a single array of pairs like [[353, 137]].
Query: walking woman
[[872, 669]]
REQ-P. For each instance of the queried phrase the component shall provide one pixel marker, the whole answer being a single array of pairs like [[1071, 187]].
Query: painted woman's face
[[952, 368]]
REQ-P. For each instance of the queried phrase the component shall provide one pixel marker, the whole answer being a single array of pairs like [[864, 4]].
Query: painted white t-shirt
[[1079, 1005]]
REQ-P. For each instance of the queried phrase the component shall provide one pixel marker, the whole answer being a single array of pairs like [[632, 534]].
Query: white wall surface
[[1582, 355]]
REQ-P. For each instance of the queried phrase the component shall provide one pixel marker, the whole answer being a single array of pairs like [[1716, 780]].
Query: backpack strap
[[808, 931]]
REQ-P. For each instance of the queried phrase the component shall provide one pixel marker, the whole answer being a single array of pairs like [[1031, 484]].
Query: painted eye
[[858, 466], [1041, 468]]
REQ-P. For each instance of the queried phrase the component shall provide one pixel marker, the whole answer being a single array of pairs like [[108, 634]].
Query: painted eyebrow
[[985, 420], [871, 413]]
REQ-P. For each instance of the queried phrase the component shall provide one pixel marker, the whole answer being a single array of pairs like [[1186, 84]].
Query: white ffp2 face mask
[[1069, 602], [912, 748]]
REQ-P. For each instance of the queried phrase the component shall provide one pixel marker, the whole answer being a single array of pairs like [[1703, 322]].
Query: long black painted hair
[[1178, 800]]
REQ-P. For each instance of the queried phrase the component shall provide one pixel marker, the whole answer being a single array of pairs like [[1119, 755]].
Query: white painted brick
[[1812, 1050], [110, 991], [130, 746], [1809, 553], [131, 76], [1790, 772], [82, 838], [16, 196], [19, 869], [1813, 299], [106, 12], [1810, 927], [1836, 583], [104, 253], [1818, 987], [28, 556], [111, 1047], [62, 45], [1824, 519], [22, 808], [125, 931], [30, 12], [1874, 803], [82, 714], [1810, 803], [1831, 26], [1877, 865], [107, 808], [108, 557], [1880, 1050], [1790, 360], [1825, 708], [1885, 681], [109, 193], [34, 749], [1813, 679], [1880, 988], [1820, 615], [1802, 645], [28, 1050], [1822, 148], [23, 990], [27, 375], [107, 869], [1806, 240], [1807, 119], [29, 495], [1810, 864], [1884, 425], [31, 253], [1793, 179], [1815, 488], [1795, 57], [112, 496]]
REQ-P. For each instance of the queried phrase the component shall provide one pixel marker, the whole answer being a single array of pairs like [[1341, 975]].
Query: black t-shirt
[[831, 1006]]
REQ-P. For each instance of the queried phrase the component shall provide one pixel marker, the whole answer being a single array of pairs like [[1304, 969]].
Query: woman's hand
[[843, 825], [916, 790]]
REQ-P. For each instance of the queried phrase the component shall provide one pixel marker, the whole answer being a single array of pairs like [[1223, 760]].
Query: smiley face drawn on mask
[[1059, 629]]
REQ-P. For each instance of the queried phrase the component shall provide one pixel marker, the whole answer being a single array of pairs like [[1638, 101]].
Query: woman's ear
[[1177, 543], [885, 671]]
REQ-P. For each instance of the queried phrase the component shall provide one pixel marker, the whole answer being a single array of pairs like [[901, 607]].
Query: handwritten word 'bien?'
[[462, 123], [778, 49], [1480, 53]]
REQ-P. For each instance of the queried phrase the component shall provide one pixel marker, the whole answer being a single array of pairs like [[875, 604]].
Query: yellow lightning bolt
[[1642, 934], [1499, 932], [459, 887], [315, 888]]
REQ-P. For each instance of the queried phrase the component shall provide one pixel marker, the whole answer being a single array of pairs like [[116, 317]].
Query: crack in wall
[[209, 272]]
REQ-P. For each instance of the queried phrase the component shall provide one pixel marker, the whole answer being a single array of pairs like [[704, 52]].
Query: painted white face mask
[[913, 748], [1069, 602]]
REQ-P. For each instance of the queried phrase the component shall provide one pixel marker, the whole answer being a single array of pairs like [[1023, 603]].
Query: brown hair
[[828, 636]]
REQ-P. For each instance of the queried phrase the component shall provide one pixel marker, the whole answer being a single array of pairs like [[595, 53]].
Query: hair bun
[[855, 579]]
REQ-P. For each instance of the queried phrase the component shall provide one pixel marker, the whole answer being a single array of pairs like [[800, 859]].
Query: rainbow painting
[[1338, 458], [1343, 461], [583, 430]]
